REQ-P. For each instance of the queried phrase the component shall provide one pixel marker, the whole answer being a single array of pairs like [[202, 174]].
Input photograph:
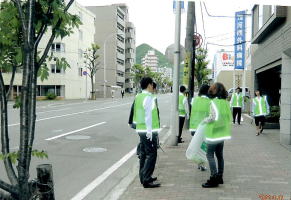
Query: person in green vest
[[200, 106], [146, 119], [183, 111], [237, 104], [260, 108], [217, 129]]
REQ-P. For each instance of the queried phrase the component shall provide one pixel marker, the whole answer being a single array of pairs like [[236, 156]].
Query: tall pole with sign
[[240, 41], [175, 114]]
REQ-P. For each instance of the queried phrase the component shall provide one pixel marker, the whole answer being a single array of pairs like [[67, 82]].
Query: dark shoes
[[214, 181], [151, 185], [219, 179], [153, 179], [180, 140]]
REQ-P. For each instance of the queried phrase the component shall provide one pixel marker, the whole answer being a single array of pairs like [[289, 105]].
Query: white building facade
[[151, 60], [69, 84]]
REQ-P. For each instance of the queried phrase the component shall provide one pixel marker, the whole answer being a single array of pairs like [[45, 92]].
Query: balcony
[[130, 35], [120, 67], [129, 55], [120, 79]]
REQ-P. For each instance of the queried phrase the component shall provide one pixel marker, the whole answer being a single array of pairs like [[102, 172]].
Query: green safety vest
[[237, 100], [139, 113], [219, 129], [260, 106], [182, 110], [199, 111]]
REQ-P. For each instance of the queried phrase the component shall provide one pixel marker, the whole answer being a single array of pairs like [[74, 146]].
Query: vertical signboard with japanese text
[[240, 40]]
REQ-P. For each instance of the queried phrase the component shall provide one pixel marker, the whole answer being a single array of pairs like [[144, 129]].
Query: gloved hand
[[149, 136]]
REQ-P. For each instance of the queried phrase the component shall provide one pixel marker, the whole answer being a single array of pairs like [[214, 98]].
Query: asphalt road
[[66, 128]]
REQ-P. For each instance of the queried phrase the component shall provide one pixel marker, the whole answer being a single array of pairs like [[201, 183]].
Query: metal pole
[[104, 68], [175, 113], [86, 97]]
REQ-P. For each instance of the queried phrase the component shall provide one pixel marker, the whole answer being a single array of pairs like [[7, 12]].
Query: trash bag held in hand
[[197, 148]]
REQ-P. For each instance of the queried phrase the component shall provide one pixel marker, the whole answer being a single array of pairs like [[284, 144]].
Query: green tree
[[91, 61], [201, 72], [23, 24], [138, 72]]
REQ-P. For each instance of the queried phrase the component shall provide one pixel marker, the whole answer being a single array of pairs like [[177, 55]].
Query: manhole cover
[[78, 137], [94, 150]]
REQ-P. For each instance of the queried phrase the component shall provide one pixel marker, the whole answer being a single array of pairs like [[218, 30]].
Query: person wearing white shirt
[[183, 111]]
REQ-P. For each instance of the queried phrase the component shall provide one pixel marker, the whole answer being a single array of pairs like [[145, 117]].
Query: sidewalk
[[254, 166]]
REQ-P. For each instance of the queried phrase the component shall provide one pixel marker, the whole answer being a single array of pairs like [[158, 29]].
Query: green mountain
[[142, 50]]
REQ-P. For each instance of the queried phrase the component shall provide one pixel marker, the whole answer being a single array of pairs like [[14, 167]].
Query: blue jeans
[[216, 149]]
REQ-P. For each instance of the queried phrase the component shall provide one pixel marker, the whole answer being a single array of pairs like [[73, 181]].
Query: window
[[80, 35], [120, 15], [58, 47], [120, 50], [120, 38], [273, 10], [261, 16], [120, 27], [119, 84], [46, 89], [119, 61], [120, 73], [129, 60], [55, 69]]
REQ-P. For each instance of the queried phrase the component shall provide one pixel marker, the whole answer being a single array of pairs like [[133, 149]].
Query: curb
[[117, 191]]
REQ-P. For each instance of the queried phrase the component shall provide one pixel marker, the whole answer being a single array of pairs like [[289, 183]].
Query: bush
[[274, 114], [51, 96]]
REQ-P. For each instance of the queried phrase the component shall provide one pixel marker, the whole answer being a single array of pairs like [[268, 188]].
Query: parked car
[[246, 90]]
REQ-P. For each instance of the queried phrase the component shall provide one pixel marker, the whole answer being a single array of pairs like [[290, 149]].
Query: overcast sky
[[155, 21]]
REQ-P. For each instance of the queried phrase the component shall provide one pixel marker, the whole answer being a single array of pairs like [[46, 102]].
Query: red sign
[[198, 40]]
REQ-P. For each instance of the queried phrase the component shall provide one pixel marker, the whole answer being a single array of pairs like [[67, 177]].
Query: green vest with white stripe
[[219, 129], [182, 110], [260, 106], [199, 111], [237, 100], [139, 113]]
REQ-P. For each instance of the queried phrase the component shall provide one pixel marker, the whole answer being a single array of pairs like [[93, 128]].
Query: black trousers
[[148, 157], [181, 125], [235, 112]]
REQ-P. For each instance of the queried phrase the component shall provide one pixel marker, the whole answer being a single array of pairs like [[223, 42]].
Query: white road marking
[[52, 110], [75, 131], [95, 183], [77, 113]]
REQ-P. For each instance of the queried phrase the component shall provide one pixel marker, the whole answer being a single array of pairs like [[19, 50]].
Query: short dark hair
[[145, 81], [154, 85], [182, 88], [238, 88], [203, 90], [217, 90], [258, 90]]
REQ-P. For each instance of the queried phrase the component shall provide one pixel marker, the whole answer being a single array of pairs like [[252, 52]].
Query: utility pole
[[190, 46], [175, 112]]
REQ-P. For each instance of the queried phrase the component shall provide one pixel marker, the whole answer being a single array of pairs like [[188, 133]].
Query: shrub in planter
[[51, 96], [274, 116]]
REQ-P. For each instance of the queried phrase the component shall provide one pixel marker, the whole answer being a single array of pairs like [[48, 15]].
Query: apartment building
[[271, 60], [166, 72], [151, 60], [116, 37], [69, 84]]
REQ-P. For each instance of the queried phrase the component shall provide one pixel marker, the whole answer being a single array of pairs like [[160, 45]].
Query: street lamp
[[104, 60]]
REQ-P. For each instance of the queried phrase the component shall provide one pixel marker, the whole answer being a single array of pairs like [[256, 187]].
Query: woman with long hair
[[217, 130], [260, 108]]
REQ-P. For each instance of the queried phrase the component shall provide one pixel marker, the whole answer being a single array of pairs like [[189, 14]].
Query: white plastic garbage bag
[[197, 148]]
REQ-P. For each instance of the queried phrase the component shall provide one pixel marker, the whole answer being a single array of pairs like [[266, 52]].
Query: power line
[[203, 24], [227, 45], [221, 16], [224, 34]]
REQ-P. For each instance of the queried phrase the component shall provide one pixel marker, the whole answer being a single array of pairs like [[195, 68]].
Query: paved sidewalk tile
[[255, 167]]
